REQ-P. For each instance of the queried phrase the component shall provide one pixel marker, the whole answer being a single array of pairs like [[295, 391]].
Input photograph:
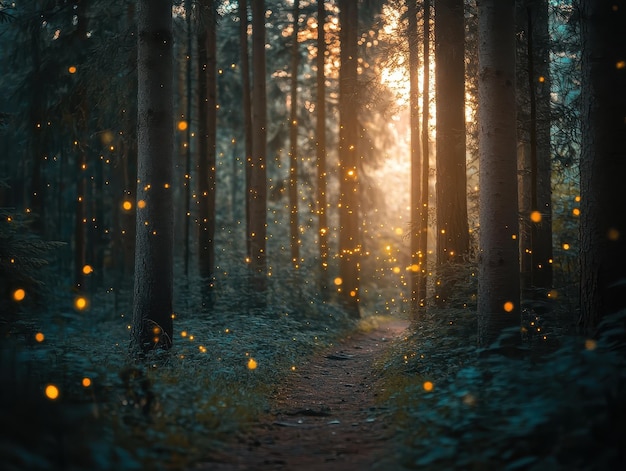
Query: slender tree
[[534, 150], [423, 245], [541, 186], [412, 34], [188, 112], [499, 280], [152, 303], [207, 135], [603, 162], [320, 127], [247, 112], [294, 231], [349, 240], [80, 147], [258, 171], [452, 225]]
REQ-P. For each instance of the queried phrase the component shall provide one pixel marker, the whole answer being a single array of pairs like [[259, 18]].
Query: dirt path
[[325, 417]]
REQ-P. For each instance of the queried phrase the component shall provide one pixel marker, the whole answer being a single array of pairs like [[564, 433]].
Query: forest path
[[324, 417]]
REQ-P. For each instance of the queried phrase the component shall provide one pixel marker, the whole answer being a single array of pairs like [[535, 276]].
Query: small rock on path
[[325, 416]]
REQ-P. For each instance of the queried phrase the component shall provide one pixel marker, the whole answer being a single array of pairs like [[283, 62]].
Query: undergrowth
[[547, 409], [171, 408]]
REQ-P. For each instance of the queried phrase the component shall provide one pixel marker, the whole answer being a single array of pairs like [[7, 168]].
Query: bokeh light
[[19, 295]]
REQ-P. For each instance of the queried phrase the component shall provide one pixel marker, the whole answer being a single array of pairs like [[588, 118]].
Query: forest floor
[[325, 416]]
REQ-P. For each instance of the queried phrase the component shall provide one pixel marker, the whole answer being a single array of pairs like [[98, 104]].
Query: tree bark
[[603, 162], [258, 171], [321, 146], [499, 282], [152, 303], [452, 225], [416, 180], [247, 113], [207, 130], [423, 244], [349, 239], [294, 231]]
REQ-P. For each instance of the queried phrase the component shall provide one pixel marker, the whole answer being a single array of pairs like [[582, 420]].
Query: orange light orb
[[535, 216], [19, 295], [52, 392], [80, 303]]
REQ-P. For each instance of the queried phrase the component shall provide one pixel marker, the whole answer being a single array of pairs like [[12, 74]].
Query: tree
[[416, 207], [258, 171], [349, 239], [294, 231], [423, 245], [499, 282], [603, 162], [534, 136], [152, 303], [247, 113], [452, 225], [207, 136], [320, 127]]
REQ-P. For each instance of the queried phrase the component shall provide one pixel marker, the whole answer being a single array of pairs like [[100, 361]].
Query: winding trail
[[324, 417]]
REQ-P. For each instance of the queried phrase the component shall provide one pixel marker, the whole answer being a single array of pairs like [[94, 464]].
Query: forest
[[293, 234]]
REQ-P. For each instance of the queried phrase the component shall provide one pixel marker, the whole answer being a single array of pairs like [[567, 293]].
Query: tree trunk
[[541, 192], [498, 291], [258, 181], [152, 303], [321, 146], [423, 245], [188, 113], [416, 254], [207, 131], [294, 231], [349, 240], [603, 162], [452, 225], [247, 113]]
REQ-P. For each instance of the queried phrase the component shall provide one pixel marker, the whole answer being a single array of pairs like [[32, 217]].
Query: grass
[[169, 409], [547, 409]]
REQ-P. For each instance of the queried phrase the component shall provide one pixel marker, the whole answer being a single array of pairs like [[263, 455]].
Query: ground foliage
[[167, 409], [537, 408]]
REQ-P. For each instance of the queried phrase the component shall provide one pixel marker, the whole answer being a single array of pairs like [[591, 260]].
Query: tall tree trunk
[[188, 113], [499, 282], [416, 167], [349, 239], [423, 245], [152, 303], [294, 230], [603, 162], [247, 113], [452, 225], [258, 171], [81, 145], [321, 146], [541, 184], [207, 130]]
